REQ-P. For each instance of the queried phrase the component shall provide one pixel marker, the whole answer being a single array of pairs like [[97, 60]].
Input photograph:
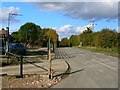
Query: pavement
[[59, 67]]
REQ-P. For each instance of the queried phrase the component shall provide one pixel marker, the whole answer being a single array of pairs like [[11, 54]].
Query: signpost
[[49, 61], [80, 44]]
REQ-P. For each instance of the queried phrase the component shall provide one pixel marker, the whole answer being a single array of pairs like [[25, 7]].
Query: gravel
[[29, 81]]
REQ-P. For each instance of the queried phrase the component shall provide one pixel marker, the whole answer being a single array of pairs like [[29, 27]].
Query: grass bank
[[108, 51]]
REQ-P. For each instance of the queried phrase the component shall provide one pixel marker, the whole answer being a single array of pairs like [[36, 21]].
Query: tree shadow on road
[[68, 73], [75, 71]]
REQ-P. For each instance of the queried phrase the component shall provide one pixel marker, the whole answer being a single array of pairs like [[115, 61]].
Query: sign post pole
[[49, 61]]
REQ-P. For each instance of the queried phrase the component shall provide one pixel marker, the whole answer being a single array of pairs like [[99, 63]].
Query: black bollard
[[21, 67]]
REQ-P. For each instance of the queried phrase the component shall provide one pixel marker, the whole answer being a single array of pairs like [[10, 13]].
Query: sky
[[67, 18]]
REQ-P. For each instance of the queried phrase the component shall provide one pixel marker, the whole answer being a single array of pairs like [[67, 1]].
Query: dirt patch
[[29, 81]]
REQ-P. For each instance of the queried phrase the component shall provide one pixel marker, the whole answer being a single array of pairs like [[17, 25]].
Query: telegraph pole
[[8, 28], [8, 32]]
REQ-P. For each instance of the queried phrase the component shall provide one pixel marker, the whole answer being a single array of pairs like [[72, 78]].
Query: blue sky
[[67, 18]]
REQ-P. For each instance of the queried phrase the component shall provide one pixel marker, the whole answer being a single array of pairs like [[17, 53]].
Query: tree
[[87, 39], [107, 38], [15, 37], [51, 33], [42, 38], [32, 34], [74, 40], [64, 42], [87, 31], [28, 33]]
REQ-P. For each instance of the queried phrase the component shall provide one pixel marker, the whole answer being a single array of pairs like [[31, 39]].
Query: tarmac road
[[89, 69]]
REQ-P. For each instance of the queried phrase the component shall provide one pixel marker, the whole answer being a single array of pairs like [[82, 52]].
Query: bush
[[106, 38]]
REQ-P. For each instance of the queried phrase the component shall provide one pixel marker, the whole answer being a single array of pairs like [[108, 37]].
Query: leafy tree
[[86, 39], [28, 33], [42, 38], [32, 34], [118, 44], [64, 42], [87, 31], [74, 40], [52, 35], [15, 37], [107, 38]]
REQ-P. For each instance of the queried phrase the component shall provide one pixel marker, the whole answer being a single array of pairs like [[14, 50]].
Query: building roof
[[3, 32]]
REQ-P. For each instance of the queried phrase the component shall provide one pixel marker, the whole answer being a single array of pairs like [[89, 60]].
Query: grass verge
[[108, 51]]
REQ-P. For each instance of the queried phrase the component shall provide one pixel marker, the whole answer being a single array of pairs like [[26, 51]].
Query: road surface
[[88, 69]]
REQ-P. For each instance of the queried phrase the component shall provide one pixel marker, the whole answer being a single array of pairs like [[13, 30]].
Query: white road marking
[[105, 65], [82, 54]]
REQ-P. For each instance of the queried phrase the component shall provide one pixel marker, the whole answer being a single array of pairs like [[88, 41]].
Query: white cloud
[[61, 0], [91, 26], [65, 31], [84, 10], [118, 29], [80, 29], [52, 7], [5, 13], [54, 28], [66, 28]]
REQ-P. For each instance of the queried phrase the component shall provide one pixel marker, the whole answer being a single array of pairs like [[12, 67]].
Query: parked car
[[17, 48], [2, 50]]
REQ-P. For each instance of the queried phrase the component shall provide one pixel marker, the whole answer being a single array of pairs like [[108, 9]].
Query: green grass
[[108, 51]]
